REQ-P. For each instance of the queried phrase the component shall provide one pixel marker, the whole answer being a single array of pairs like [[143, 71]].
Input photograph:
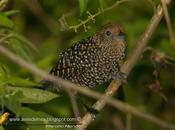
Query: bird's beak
[[120, 36]]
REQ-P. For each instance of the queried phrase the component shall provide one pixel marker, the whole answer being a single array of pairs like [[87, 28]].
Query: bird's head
[[112, 33]]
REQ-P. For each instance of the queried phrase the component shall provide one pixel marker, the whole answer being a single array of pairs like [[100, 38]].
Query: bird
[[92, 61]]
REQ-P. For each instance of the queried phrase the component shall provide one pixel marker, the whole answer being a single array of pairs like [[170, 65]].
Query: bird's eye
[[108, 33]]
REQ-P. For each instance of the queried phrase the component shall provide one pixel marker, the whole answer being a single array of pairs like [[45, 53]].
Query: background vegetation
[[39, 30]]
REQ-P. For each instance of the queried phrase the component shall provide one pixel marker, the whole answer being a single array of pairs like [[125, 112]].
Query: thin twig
[[83, 23], [115, 4], [92, 16], [74, 104], [168, 22]]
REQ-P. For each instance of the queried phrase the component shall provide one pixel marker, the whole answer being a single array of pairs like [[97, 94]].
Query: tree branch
[[168, 22]]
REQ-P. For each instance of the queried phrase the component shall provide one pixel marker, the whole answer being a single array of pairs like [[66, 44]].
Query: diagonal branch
[[168, 22]]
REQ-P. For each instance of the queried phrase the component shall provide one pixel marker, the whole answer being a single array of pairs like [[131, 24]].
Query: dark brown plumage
[[93, 61]]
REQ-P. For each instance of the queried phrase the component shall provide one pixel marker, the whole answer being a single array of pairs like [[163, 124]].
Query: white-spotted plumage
[[92, 62]]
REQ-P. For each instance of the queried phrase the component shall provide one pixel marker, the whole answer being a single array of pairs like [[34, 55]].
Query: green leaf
[[1, 128], [24, 40], [5, 21], [33, 95], [45, 62], [24, 112], [82, 6], [11, 12], [2, 79], [20, 82], [21, 50]]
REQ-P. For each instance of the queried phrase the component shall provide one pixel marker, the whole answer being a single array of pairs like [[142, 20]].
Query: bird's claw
[[92, 111], [120, 76]]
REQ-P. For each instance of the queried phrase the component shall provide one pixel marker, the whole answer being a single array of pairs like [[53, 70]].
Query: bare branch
[[168, 22], [74, 104]]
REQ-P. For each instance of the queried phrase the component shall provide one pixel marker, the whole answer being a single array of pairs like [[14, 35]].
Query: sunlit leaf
[[24, 112], [33, 95], [45, 62], [5, 21], [20, 82], [11, 12], [32, 114]]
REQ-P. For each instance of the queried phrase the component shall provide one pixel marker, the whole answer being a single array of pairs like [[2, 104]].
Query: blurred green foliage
[[39, 31]]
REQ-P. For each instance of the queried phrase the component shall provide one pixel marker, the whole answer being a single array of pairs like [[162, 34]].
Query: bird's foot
[[92, 111], [120, 76], [88, 108]]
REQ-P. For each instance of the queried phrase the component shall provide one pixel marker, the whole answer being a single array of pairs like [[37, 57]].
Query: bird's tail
[[49, 86]]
